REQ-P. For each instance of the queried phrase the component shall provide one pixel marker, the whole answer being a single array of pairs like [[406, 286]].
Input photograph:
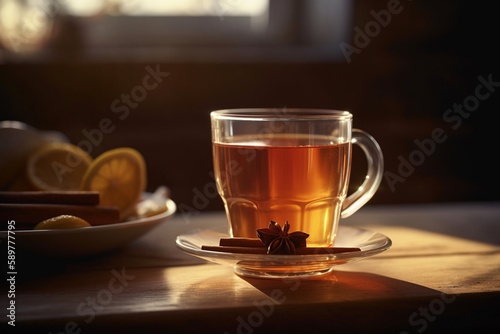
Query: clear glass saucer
[[285, 266]]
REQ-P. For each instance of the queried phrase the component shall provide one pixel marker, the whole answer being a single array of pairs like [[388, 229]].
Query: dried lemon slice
[[62, 222], [57, 166], [119, 175]]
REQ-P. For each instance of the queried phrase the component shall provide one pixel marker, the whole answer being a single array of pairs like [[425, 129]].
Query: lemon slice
[[119, 175], [57, 166], [17, 141], [62, 222]]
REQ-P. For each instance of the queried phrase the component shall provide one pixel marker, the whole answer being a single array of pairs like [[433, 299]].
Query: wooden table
[[442, 275]]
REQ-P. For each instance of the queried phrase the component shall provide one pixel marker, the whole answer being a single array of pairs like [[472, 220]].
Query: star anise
[[279, 241]]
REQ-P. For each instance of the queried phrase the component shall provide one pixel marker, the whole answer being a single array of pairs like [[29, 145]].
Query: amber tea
[[283, 178]]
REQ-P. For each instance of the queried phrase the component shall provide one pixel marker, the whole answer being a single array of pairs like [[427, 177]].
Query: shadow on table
[[360, 302]]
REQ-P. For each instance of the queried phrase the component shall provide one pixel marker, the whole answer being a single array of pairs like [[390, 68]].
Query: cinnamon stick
[[50, 197], [256, 242], [236, 249], [263, 250], [325, 250], [27, 216], [241, 242]]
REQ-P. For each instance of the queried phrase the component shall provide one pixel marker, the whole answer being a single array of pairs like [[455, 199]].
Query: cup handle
[[374, 174]]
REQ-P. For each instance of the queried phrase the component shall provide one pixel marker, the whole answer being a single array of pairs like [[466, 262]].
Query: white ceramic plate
[[281, 266], [86, 241]]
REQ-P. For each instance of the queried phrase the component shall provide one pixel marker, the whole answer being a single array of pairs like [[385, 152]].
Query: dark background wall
[[399, 88]]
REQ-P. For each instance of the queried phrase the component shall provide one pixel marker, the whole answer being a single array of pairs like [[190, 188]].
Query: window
[[218, 8], [187, 30]]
